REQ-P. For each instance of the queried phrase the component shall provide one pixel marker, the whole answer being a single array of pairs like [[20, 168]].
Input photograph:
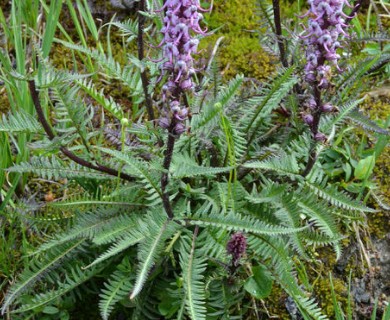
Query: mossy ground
[[240, 50], [378, 107]]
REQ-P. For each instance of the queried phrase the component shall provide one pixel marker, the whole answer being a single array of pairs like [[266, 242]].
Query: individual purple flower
[[236, 247]]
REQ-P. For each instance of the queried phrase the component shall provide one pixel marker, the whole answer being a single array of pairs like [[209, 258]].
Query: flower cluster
[[236, 247], [326, 28], [181, 19]]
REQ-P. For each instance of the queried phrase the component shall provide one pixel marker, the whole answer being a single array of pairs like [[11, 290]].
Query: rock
[[122, 4]]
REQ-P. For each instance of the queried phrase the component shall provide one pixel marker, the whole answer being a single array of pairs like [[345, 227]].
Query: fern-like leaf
[[274, 251], [86, 226], [270, 98], [127, 240], [37, 269], [52, 168], [227, 94], [344, 112], [73, 278], [159, 229], [320, 215], [237, 222], [140, 169], [115, 289], [193, 264], [183, 166], [366, 123], [22, 122], [284, 164], [129, 28], [338, 198]]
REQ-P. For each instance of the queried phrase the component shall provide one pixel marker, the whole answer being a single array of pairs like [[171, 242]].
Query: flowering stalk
[[325, 32], [278, 32], [144, 77], [181, 21]]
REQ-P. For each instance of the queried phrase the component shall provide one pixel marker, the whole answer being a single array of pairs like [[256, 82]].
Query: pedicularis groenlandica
[[198, 213]]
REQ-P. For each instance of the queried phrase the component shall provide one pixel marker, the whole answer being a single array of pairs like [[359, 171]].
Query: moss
[[324, 291], [234, 16], [377, 106], [243, 55], [240, 51], [4, 102], [276, 303]]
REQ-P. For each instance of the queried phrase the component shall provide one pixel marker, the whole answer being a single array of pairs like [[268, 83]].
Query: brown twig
[[314, 130], [166, 164], [278, 30], [144, 76], [50, 133], [354, 11]]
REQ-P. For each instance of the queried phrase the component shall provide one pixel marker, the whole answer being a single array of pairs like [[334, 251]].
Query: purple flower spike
[[326, 26], [236, 247], [181, 22]]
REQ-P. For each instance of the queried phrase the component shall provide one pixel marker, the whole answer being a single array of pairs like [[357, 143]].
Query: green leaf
[[193, 264], [183, 166], [237, 222], [115, 289], [337, 198], [107, 102], [53, 168], [22, 122], [73, 278], [50, 310], [364, 168], [131, 238], [151, 248], [280, 86], [37, 269], [227, 94], [260, 284], [344, 112]]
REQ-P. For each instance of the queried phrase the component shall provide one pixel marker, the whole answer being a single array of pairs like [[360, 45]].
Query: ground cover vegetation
[[153, 170]]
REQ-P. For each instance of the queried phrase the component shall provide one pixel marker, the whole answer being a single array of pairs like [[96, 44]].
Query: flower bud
[[308, 119], [124, 122], [163, 123], [320, 137], [327, 107], [312, 104], [179, 129]]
